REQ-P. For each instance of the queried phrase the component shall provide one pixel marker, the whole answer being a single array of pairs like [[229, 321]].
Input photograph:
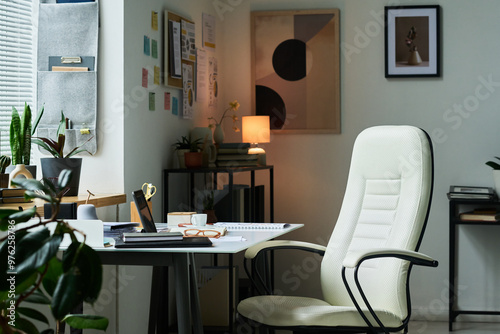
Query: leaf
[[87, 261], [67, 294], [62, 125], [31, 184], [26, 326], [64, 178], [23, 216], [49, 145], [33, 314], [26, 134], [5, 218], [38, 297], [52, 276], [37, 120], [85, 321], [40, 255], [23, 285], [15, 138]]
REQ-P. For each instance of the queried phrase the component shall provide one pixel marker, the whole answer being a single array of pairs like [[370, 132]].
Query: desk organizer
[[68, 30]]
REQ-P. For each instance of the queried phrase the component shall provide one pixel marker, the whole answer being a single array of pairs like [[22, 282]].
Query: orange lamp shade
[[255, 129]]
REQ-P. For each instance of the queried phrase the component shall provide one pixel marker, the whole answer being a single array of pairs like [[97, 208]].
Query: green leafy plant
[[4, 163], [56, 147], [21, 131], [31, 272], [208, 201], [493, 164], [187, 144]]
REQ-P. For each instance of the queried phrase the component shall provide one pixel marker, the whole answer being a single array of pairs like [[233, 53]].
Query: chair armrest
[[354, 259], [283, 244]]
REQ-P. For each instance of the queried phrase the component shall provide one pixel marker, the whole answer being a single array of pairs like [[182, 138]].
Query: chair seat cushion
[[285, 311]]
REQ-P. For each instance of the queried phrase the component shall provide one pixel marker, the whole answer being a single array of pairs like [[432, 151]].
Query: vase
[[414, 58], [211, 217], [218, 134], [52, 167], [20, 169], [496, 180]]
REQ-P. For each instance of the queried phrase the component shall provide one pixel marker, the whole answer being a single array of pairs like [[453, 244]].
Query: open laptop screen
[[144, 212]]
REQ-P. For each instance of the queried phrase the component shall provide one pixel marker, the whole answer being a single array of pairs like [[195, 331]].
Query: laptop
[[149, 226]]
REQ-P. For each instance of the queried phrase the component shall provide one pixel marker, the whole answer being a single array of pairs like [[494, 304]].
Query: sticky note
[[157, 75], [154, 20], [154, 48], [152, 106], [175, 106], [167, 101], [147, 48], [144, 78]]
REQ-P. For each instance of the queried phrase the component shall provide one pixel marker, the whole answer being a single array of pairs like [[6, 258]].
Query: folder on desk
[[185, 242]]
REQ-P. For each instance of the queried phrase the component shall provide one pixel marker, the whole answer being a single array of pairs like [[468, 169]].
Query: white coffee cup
[[199, 219]]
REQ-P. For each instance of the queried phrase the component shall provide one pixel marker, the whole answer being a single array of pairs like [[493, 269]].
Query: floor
[[431, 327]]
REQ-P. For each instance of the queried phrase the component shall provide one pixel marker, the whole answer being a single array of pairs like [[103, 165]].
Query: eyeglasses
[[193, 232]]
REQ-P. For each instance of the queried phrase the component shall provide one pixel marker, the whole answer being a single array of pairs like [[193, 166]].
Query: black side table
[[458, 206]]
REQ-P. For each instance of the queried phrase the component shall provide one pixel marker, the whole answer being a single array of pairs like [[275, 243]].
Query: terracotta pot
[[4, 180], [211, 217], [193, 159]]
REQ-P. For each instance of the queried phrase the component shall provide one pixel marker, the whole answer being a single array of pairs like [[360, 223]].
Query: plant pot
[[211, 217], [180, 156], [193, 159], [52, 167]]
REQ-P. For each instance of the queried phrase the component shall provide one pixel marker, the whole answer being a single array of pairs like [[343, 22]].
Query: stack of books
[[152, 237], [235, 155], [12, 195], [477, 193], [483, 215]]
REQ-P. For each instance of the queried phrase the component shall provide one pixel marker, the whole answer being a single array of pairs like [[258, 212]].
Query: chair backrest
[[385, 205]]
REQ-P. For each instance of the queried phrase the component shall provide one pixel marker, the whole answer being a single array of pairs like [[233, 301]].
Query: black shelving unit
[[458, 206]]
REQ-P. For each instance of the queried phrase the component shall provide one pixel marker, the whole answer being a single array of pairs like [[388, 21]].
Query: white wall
[[311, 170]]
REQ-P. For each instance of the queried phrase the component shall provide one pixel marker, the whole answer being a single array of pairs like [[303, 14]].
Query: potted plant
[[496, 173], [186, 145], [21, 131], [35, 274], [52, 167], [4, 178], [194, 158]]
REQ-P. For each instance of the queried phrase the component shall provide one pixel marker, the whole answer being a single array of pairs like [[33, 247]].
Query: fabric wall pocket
[[67, 70]]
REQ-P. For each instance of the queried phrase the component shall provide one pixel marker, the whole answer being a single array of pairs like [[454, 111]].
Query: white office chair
[[366, 264]]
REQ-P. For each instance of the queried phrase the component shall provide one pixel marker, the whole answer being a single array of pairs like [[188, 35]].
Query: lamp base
[[262, 154]]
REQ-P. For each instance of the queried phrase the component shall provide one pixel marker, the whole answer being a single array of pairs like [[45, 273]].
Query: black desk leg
[[158, 305], [452, 274]]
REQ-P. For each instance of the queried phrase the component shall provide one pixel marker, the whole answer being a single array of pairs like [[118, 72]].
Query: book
[[243, 150], [119, 226], [228, 157], [6, 200], [463, 192], [234, 145], [486, 215], [11, 192], [253, 226], [237, 163], [152, 237]]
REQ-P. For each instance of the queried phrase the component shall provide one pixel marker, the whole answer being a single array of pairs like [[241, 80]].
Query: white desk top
[[252, 237]]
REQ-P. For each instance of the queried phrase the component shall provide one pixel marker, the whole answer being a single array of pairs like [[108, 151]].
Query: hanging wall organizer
[[67, 70]]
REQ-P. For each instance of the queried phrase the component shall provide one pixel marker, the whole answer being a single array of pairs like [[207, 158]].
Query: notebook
[[149, 227]]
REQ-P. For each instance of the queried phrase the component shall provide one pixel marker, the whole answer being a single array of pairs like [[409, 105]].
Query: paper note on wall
[[208, 31], [187, 90], [144, 78], [167, 101], [147, 47], [175, 106], [154, 20], [188, 41], [157, 75], [154, 48], [201, 76]]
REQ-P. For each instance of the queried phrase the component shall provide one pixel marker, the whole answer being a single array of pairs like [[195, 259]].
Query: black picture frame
[[412, 41]]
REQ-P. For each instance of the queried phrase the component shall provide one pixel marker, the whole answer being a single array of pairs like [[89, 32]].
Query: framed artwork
[[412, 41], [295, 70]]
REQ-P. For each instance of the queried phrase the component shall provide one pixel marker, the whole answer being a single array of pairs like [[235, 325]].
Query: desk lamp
[[255, 130]]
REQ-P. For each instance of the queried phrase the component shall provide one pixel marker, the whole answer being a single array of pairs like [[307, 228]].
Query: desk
[[179, 259], [98, 201]]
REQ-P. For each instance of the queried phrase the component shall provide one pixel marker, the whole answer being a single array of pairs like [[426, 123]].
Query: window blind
[[16, 63]]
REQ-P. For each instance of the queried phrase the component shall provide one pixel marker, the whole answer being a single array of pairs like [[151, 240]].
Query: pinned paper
[[157, 75], [152, 105], [167, 101], [154, 20], [147, 49], [175, 105], [144, 78], [154, 48]]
